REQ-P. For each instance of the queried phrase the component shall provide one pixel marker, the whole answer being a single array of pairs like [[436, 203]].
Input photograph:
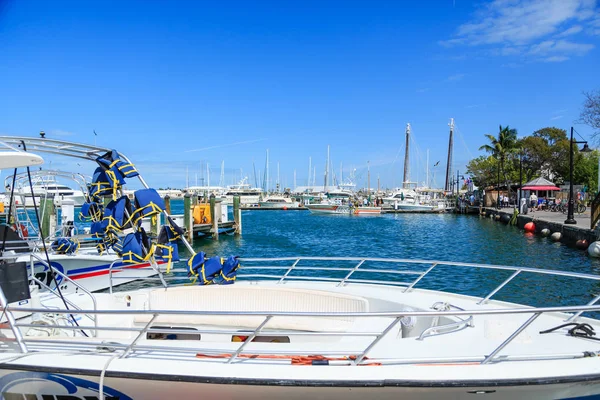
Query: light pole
[[520, 181], [498, 187], [570, 217]]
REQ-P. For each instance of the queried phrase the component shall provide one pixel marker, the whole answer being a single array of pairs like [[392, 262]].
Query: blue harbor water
[[445, 237]]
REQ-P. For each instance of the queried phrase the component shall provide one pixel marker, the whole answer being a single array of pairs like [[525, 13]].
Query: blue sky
[[175, 85]]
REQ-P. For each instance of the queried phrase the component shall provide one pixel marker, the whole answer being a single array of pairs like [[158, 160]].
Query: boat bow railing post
[[510, 278], [409, 288], [377, 339], [289, 270], [576, 315], [351, 272], [110, 276], [138, 337], [249, 339], [516, 333]]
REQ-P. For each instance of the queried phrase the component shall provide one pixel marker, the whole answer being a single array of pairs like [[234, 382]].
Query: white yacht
[[46, 186], [278, 202], [247, 194]]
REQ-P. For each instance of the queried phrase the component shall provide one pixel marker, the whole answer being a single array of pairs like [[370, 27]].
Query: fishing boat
[[329, 207], [63, 257], [302, 330], [278, 203], [292, 327]]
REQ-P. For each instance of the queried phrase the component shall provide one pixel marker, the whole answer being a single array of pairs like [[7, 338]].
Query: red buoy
[[285, 207], [529, 227], [582, 244]]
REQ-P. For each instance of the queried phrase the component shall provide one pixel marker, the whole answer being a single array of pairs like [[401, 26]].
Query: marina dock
[[554, 221]]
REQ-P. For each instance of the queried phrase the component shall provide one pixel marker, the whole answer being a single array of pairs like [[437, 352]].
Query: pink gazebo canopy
[[540, 188], [540, 184]]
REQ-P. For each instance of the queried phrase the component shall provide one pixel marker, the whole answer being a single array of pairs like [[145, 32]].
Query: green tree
[[536, 155], [483, 171], [502, 147], [585, 171]]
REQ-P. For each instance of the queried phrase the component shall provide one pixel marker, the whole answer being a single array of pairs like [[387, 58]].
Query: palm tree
[[501, 147]]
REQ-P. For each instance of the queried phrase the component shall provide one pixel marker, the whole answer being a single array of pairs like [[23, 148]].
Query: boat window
[[261, 339], [173, 336]]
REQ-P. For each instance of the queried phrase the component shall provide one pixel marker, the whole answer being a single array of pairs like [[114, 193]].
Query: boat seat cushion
[[246, 298]]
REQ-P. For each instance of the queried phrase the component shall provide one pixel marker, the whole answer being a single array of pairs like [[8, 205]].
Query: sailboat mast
[[449, 165], [222, 178], [369, 180], [267, 183], [278, 181], [427, 171], [309, 170], [326, 184], [207, 175], [406, 158]]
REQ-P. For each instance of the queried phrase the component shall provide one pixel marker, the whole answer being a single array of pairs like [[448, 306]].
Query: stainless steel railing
[[228, 354], [290, 267]]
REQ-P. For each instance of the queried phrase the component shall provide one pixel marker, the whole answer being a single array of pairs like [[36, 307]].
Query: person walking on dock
[[533, 202]]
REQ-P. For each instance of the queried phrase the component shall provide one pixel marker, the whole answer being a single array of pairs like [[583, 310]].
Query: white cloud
[[556, 117], [571, 31], [455, 77], [529, 28], [560, 47]]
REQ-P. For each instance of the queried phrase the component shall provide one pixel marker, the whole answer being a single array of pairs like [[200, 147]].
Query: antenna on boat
[[449, 165], [43, 134], [406, 158], [267, 169], [254, 168]]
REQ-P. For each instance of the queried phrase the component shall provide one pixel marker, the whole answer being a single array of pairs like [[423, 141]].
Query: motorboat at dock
[[278, 202], [331, 326]]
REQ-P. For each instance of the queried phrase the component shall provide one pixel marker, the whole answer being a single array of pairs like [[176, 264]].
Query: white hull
[[33, 382], [328, 209], [78, 200], [252, 199], [415, 344], [279, 206], [88, 270]]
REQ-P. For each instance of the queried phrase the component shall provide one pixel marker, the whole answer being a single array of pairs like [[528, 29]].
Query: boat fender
[[407, 324], [594, 249], [21, 230]]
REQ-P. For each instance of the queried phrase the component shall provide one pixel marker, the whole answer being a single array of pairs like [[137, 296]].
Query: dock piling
[[237, 215], [214, 216], [188, 217], [168, 204], [48, 213]]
